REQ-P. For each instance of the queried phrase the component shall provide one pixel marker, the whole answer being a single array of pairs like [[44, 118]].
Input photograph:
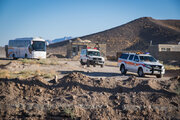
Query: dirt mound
[[77, 96]]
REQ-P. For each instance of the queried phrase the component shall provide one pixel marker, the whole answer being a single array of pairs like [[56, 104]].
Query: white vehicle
[[141, 64], [27, 48], [91, 57]]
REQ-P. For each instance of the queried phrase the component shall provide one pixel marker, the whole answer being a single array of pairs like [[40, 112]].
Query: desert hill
[[135, 35]]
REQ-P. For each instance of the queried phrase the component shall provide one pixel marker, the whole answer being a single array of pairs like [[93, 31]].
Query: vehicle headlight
[[102, 59]]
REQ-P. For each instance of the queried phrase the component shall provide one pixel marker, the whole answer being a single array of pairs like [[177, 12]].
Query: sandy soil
[[81, 92]]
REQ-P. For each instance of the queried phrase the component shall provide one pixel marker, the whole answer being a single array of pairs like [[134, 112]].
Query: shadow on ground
[[94, 74], [101, 74]]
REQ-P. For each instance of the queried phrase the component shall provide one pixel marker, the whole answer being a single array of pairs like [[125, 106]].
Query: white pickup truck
[[141, 64], [91, 57]]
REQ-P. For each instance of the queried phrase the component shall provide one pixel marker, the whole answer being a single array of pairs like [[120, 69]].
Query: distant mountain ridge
[[59, 40], [136, 35]]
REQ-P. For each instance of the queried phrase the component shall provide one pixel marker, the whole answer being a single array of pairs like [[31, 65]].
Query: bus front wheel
[[25, 56], [13, 56]]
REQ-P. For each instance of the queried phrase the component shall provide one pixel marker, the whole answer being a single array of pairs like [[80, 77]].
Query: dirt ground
[[80, 92]]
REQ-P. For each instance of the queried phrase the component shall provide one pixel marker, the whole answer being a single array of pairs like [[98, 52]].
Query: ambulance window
[[136, 59], [131, 57]]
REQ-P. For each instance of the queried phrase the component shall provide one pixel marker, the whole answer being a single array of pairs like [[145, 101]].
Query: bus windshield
[[147, 58], [39, 46], [93, 53]]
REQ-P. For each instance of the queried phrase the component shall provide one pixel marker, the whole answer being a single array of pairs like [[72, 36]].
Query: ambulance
[[91, 56], [140, 63]]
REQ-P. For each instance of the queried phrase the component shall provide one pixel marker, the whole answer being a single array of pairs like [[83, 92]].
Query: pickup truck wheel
[[82, 63], [94, 65], [102, 66], [159, 76], [140, 72], [88, 63], [123, 70]]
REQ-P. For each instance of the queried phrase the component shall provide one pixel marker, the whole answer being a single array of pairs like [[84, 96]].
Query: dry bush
[[28, 61], [171, 67], [178, 89], [109, 63], [49, 74], [4, 74], [41, 61], [26, 74]]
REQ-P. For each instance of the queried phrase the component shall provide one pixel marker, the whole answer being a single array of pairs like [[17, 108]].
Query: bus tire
[[25, 56], [13, 56]]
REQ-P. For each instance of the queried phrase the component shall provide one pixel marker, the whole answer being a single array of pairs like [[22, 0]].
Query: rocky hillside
[[137, 34]]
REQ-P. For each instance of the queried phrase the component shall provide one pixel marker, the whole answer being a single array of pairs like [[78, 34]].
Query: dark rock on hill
[[135, 35]]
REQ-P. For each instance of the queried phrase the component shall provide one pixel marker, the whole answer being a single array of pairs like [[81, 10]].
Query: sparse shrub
[[69, 112], [24, 74], [171, 67], [41, 61], [110, 63], [177, 89], [53, 63], [38, 73], [48, 75], [28, 61], [4, 74]]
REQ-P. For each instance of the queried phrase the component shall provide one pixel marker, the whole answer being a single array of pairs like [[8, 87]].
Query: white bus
[[27, 48]]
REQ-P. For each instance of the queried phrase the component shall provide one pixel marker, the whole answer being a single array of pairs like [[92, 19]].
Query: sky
[[51, 19]]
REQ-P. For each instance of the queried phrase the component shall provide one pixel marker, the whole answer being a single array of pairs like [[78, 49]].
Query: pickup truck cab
[[91, 57], [141, 64]]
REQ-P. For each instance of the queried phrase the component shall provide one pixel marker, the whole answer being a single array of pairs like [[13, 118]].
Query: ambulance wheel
[[159, 76], [82, 63], [123, 70], [140, 72]]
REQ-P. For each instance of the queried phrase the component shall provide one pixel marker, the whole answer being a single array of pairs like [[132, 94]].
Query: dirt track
[[87, 93], [65, 66]]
